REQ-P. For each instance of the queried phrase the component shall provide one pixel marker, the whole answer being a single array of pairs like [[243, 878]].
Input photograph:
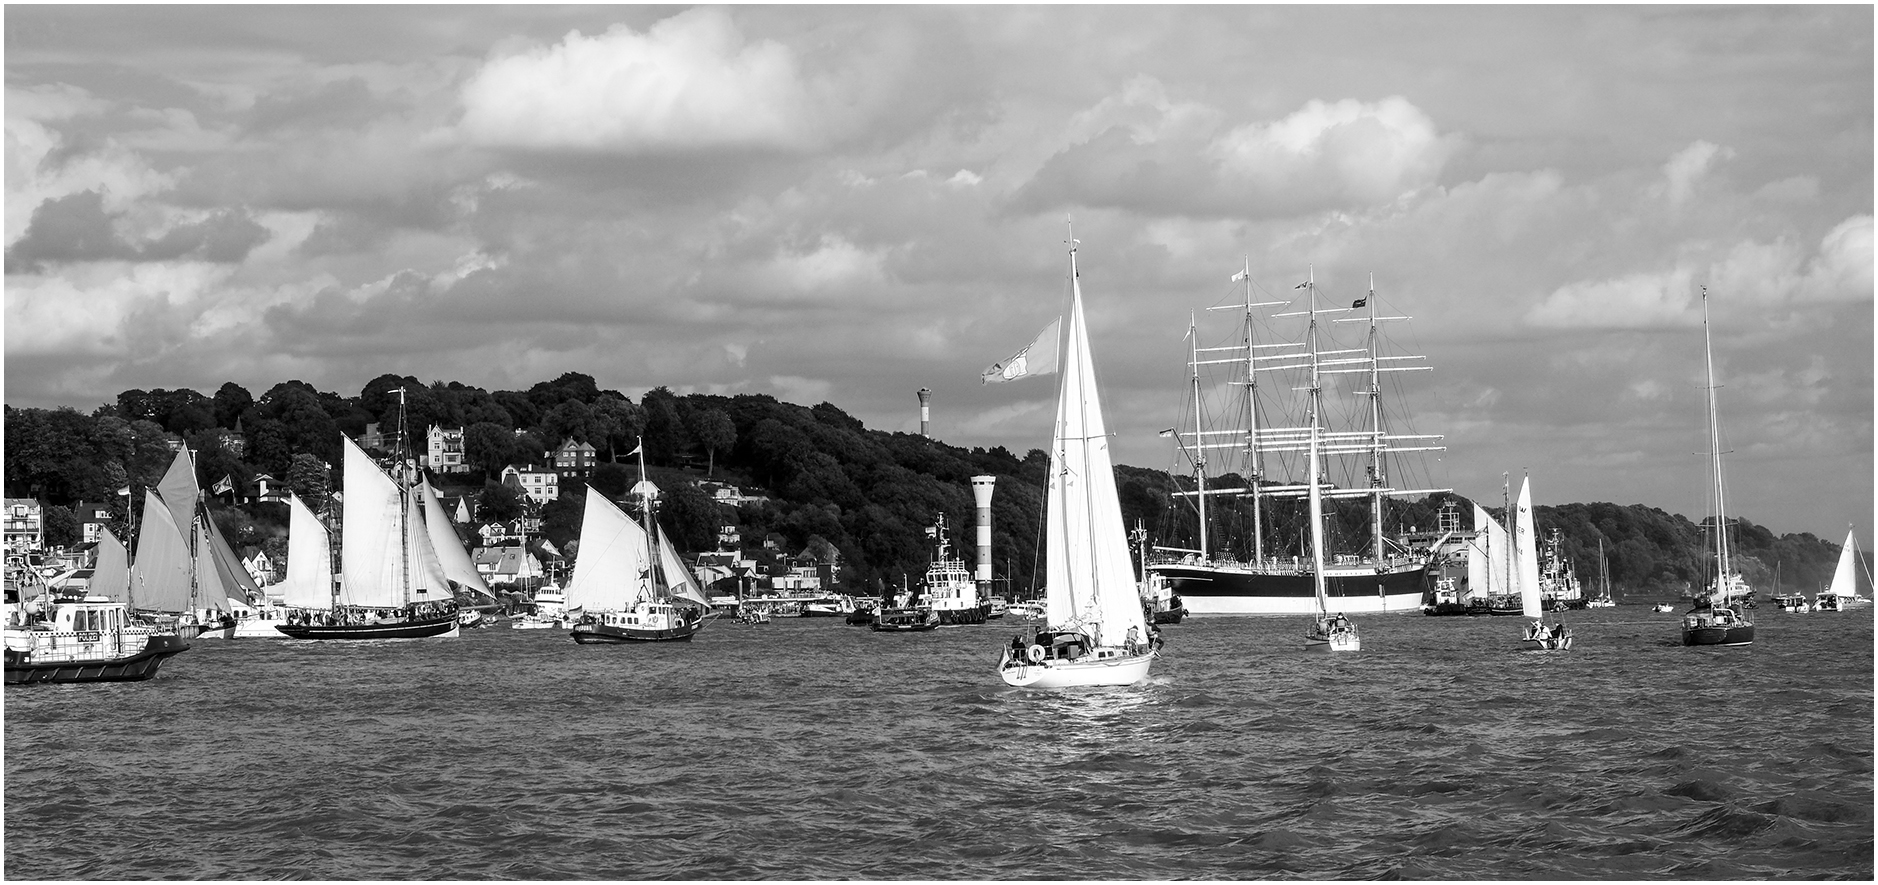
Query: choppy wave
[[806, 749]]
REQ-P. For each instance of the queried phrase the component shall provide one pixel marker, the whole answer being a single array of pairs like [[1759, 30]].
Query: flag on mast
[[1036, 358]]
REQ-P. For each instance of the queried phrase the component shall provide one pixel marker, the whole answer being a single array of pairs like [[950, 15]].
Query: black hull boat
[[606, 634], [1716, 626], [441, 625], [1167, 615], [21, 669], [860, 617], [1243, 590]]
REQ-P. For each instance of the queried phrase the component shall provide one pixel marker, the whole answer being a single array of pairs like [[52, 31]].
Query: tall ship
[[1270, 572]]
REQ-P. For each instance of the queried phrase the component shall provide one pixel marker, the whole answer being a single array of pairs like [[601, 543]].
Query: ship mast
[[1199, 447], [1378, 446], [399, 451], [1715, 461], [1316, 463]]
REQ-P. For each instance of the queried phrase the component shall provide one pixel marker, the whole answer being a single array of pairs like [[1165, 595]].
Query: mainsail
[[160, 572], [309, 581], [1845, 578], [385, 556], [1090, 580], [612, 564], [1526, 554]]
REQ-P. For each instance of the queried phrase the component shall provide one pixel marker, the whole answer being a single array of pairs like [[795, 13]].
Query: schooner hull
[[1714, 635], [1225, 590], [444, 628], [1087, 671]]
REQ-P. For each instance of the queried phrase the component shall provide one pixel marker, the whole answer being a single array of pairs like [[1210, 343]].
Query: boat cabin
[[92, 628]]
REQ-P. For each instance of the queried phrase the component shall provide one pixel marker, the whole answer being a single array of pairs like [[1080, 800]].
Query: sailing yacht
[[1842, 593], [1718, 619], [1603, 599], [392, 580], [184, 573], [1553, 636], [1093, 631], [628, 582], [1387, 576]]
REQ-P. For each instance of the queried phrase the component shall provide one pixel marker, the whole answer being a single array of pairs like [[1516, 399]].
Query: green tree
[[690, 516], [61, 526], [713, 430], [489, 447], [310, 478], [231, 400], [498, 502]]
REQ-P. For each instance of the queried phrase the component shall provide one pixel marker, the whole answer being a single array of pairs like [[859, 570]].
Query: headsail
[[309, 581], [443, 538], [110, 573], [1090, 578]]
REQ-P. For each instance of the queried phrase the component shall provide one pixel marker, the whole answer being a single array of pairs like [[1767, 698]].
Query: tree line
[[834, 488]]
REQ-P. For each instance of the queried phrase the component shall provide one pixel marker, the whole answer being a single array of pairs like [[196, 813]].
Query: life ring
[[1034, 653]]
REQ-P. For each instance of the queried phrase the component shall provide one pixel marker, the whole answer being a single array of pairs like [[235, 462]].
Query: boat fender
[[1035, 654]]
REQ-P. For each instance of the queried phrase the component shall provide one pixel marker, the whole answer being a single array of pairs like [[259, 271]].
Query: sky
[[850, 203]]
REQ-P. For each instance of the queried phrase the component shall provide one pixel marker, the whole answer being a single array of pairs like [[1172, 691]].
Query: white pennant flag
[[1037, 358]]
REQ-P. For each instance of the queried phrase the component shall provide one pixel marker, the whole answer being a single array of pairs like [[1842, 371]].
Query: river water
[[807, 749]]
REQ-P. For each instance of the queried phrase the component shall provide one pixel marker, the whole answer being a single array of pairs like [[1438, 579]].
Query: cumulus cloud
[[1171, 158], [1346, 153], [1687, 168], [78, 228], [1634, 301], [689, 82]]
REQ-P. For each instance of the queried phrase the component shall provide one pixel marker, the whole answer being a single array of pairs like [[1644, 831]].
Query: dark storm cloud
[[70, 228]]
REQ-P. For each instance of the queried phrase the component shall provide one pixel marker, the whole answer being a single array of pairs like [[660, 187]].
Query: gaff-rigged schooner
[[629, 585], [183, 571], [392, 583]]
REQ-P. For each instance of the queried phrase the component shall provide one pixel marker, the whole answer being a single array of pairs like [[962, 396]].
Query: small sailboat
[[1842, 593], [1718, 619], [628, 584], [1093, 631], [1549, 636], [392, 581], [1603, 599], [1327, 631]]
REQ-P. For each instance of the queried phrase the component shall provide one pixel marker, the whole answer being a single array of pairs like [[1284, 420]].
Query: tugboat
[[951, 591], [630, 585], [74, 639]]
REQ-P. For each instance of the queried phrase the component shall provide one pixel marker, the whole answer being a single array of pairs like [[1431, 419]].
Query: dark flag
[[1359, 302]]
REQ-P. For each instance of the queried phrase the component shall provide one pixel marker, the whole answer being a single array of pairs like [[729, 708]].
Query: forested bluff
[[834, 487]]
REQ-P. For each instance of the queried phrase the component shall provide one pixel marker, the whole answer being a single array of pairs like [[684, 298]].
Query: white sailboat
[[628, 584], [1551, 637], [392, 582], [1842, 593], [110, 570], [1093, 630], [1603, 599]]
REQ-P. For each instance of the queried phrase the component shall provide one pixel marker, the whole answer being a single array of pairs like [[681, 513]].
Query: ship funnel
[[925, 409], [981, 491]]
